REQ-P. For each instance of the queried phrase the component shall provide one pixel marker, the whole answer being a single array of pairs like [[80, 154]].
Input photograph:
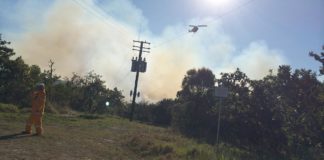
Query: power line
[[125, 62], [139, 32], [170, 40], [99, 15], [235, 9], [123, 77], [102, 17]]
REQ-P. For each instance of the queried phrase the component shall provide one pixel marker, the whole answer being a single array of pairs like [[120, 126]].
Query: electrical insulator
[[138, 94], [131, 93]]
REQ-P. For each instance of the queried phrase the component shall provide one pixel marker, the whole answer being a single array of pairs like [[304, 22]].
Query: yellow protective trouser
[[37, 121]]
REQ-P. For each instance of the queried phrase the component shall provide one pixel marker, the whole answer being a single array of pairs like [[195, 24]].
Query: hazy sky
[[85, 35], [293, 26]]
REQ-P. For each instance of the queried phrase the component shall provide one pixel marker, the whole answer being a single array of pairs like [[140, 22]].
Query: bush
[[147, 146], [143, 112], [90, 116], [158, 114], [55, 108], [119, 110], [51, 108], [10, 108], [161, 112]]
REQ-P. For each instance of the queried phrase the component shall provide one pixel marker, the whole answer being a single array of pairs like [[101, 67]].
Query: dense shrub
[[8, 108]]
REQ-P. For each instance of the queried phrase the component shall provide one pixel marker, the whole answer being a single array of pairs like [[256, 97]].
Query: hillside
[[88, 137]]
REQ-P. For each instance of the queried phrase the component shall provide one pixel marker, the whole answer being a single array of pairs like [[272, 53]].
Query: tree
[[304, 125], [319, 57], [50, 79], [267, 111], [197, 82], [16, 78], [89, 94], [192, 114], [238, 126], [162, 112]]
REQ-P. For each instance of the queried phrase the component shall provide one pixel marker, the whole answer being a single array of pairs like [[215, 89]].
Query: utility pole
[[138, 65], [221, 92], [219, 119]]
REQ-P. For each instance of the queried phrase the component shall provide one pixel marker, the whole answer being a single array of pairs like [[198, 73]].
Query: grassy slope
[[80, 137]]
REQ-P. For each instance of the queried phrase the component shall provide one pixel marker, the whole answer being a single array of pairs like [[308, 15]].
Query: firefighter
[[38, 106]]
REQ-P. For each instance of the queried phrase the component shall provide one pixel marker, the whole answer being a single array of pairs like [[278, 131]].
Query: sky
[[85, 35]]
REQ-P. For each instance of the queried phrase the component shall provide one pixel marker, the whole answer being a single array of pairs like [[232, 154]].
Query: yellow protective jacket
[[38, 102]]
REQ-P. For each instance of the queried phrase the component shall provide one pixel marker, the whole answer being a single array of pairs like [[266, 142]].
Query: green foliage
[[320, 58], [143, 111], [279, 115], [90, 116], [87, 93], [8, 108], [162, 112], [17, 79], [196, 83], [148, 147], [159, 113], [193, 112]]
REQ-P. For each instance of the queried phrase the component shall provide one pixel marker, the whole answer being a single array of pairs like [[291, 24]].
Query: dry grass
[[97, 137]]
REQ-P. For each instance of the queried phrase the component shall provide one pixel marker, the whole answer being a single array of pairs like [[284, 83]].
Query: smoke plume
[[80, 37]]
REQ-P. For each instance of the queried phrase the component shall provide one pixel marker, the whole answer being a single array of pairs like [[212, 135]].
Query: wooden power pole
[[138, 65]]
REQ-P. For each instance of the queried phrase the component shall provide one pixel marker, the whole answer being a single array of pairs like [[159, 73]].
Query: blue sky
[[84, 35], [293, 26]]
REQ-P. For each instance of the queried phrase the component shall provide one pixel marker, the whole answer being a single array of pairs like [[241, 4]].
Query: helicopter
[[195, 28]]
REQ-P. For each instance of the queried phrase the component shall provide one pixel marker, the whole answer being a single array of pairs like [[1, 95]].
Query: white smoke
[[80, 37]]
